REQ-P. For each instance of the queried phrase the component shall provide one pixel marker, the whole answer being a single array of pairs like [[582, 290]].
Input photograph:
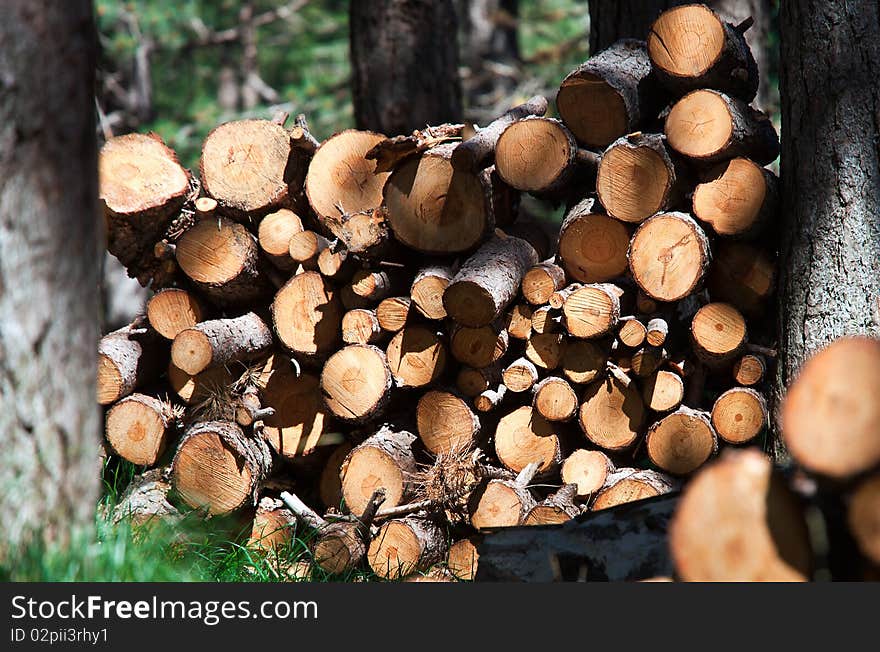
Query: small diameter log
[[126, 361], [536, 155], [668, 256], [274, 234], [708, 127], [406, 546], [592, 310], [587, 471], [477, 151], [145, 500], [523, 437], [555, 509], [737, 521], [503, 503], [737, 198], [637, 177], [479, 347], [364, 233], [547, 319], [436, 209], [372, 285], [609, 95], [307, 315], [647, 360], [682, 442], [718, 333], [632, 332], [330, 484], [663, 391], [749, 370], [220, 257], [172, 310], [657, 331], [541, 281], [393, 313], [446, 422], [612, 414], [490, 399], [342, 546], [299, 421], [192, 390], [691, 47], [628, 485], [472, 381], [739, 415], [488, 281], [463, 558], [142, 188], [546, 350], [138, 427], [356, 383], [520, 375], [219, 341], [583, 360], [360, 326], [742, 275], [385, 460], [304, 248], [416, 356], [863, 517], [830, 414], [244, 166], [218, 467], [427, 290], [273, 526], [555, 400], [592, 246], [336, 265]]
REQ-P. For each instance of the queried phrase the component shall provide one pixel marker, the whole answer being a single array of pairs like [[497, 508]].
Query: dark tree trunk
[[405, 64], [830, 255], [49, 253]]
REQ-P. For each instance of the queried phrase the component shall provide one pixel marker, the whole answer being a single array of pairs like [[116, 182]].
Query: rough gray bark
[[405, 70], [49, 271], [830, 255]]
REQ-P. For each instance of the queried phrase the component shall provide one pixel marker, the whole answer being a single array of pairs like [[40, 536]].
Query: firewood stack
[[374, 323]]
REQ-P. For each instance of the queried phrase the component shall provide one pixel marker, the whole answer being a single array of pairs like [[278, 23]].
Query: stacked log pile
[[373, 324]]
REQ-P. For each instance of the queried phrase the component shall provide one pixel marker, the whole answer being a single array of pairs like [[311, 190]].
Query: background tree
[[49, 422]]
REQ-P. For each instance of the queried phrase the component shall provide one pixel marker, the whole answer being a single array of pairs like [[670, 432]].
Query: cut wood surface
[[274, 234], [416, 356], [663, 391], [741, 275], [612, 414], [356, 383], [749, 369], [629, 485], [404, 546], [681, 442], [463, 558], [555, 400], [481, 346], [554, 509], [520, 375], [446, 422], [523, 437], [592, 246], [427, 290], [551, 155], [307, 314], [300, 418], [583, 361], [384, 460], [592, 310], [138, 428], [219, 341], [172, 310], [126, 361], [718, 332], [736, 198], [587, 470], [739, 415], [541, 281], [360, 326], [503, 503]]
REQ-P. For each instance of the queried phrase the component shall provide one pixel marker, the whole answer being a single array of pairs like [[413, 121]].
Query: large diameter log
[[488, 281], [739, 415], [307, 314], [612, 414], [609, 95], [708, 126], [138, 427], [299, 421], [126, 361], [681, 442], [172, 310], [416, 356], [405, 546], [692, 47], [219, 341], [592, 246], [736, 198], [669, 256], [637, 177], [446, 422], [536, 155], [142, 188], [587, 471], [592, 310], [384, 460], [738, 522], [830, 415], [742, 275], [356, 383], [218, 467], [554, 399], [274, 234], [629, 485], [663, 391], [428, 287], [863, 517], [524, 437]]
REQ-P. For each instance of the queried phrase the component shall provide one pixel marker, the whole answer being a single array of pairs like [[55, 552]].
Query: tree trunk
[[830, 254], [49, 271], [405, 70]]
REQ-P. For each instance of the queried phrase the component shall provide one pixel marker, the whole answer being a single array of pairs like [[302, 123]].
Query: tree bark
[[830, 254], [49, 271], [405, 72]]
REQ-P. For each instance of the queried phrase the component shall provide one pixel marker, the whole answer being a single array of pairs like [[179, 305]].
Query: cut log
[[520, 375], [172, 310], [479, 347], [629, 485], [830, 415], [738, 522], [356, 383], [384, 460], [360, 326], [305, 247], [864, 517], [555, 400], [299, 421], [126, 361], [741, 275], [416, 356], [336, 265], [637, 177], [463, 558], [647, 360], [718, 333], [681, 442], [473, 381], [446, 422], [523, 437], [546, 350], [708, 126], [218, 468], [364, 233], [503, 503], [488, 281], [692, 47], [555, 509], [342, 546], [273, 527], [142, 188], [739, 415], [592, 310], [587, 471], [436, 209], [592, 246], [219, 341], [138, 428], [547, 319], [609, 95], [749, 370], [657, 331], [372, 285], [737, 198], [541, 281], [663, 391], [612, 414], [427, 290], [393, 313], [405, 546], [145, 500], [193, 390], [536, 155], [274, 234], [583, 360], [220, 257], [490, 399], [632, 332], [307, 315], [330, 484], [668, 256]]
